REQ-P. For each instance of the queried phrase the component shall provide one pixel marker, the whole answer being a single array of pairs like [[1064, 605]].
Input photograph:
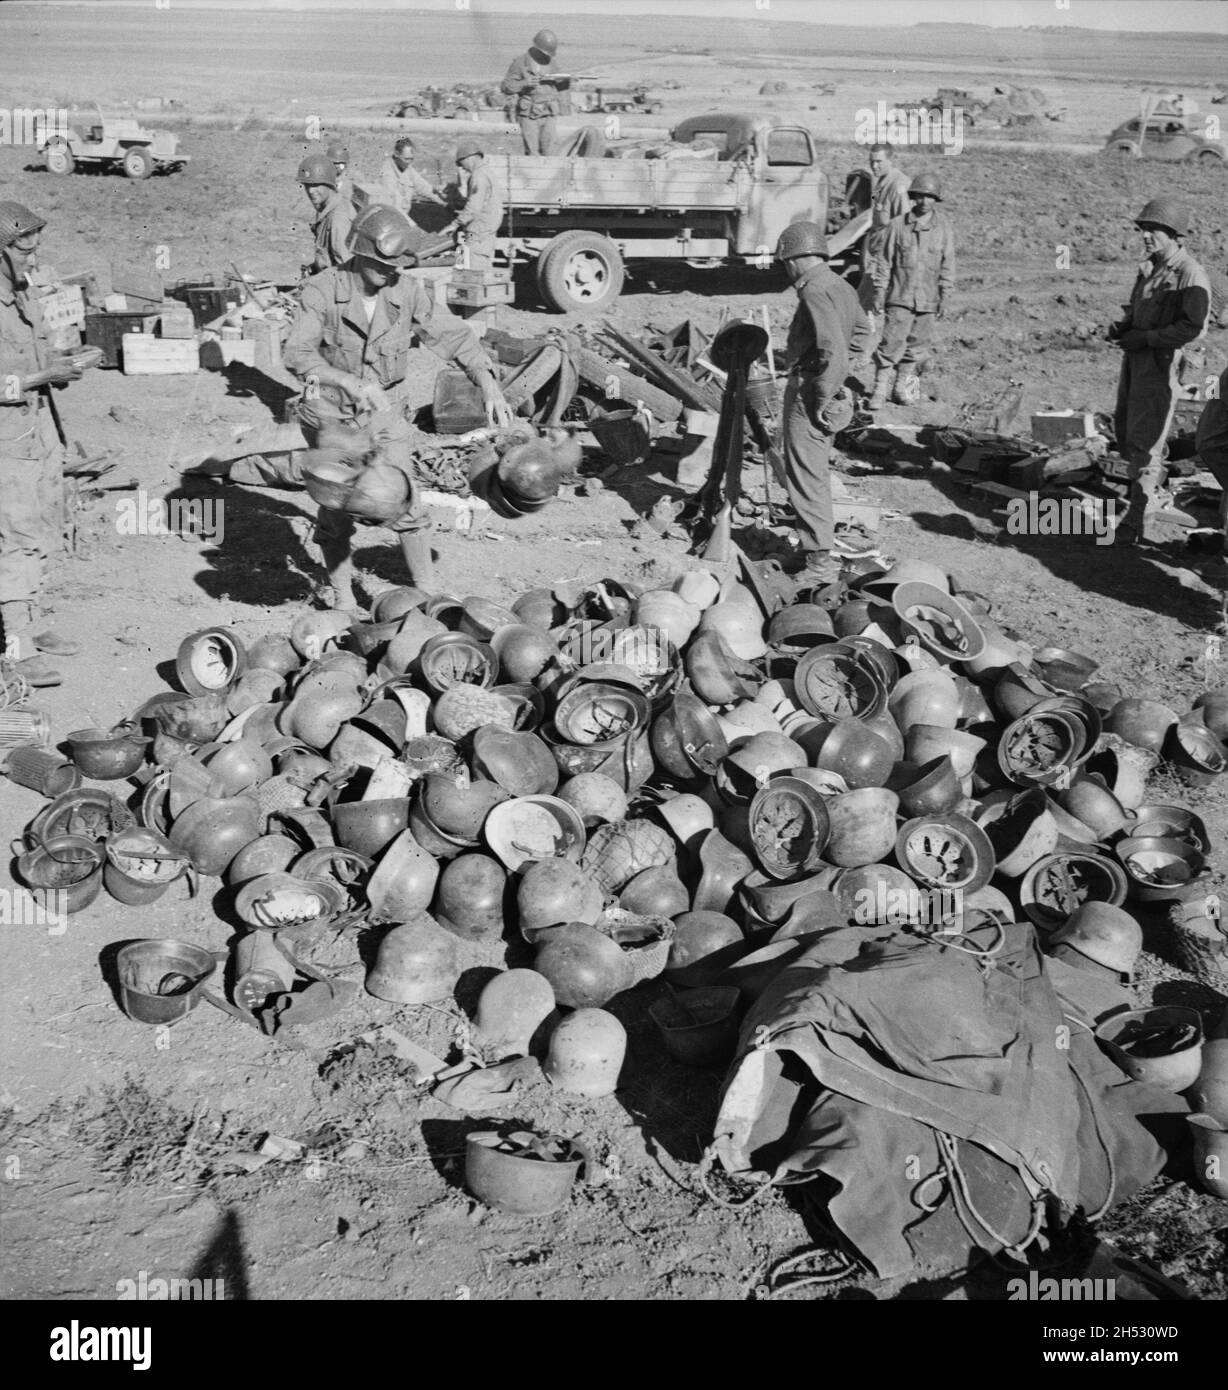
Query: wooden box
[[145, 355]]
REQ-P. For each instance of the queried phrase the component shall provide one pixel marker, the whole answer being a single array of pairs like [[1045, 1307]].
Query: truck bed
[[673, 184]]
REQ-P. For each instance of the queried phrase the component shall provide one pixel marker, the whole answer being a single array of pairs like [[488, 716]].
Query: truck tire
[[58, 158], [584, 272], [137, 163], [617, 383]]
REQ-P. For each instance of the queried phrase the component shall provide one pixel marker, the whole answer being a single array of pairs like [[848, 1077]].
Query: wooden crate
[[477, 288], [145, 355]]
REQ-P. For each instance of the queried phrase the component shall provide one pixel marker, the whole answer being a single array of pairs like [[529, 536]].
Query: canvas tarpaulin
[[920, 1076]]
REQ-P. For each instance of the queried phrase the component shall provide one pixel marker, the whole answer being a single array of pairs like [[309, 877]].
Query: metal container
[[24, 727], [41, 770], [160, 980], [519, 1182]]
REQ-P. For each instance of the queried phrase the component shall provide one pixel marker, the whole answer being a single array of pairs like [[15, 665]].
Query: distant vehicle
[[637, 98], [461, 100], [116, 144], [1165, 136]]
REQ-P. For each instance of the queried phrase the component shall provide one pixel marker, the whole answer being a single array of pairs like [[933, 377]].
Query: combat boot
[[882, 387]]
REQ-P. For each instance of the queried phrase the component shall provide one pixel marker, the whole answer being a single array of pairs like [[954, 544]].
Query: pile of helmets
[[684, 781]]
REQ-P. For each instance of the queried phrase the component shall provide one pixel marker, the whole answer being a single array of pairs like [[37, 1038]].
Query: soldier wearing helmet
[[913, 273], [339, 152], [817, 403], [478, 220], [31, 452], [334, 214], [1168, 310], [536, 91], [350, 343]]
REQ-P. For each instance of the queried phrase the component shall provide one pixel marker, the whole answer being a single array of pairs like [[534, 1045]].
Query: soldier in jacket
[[1167, 311], [478, 220], [888, 200], [334, 214], [535, 93], [817, 404], [913, 273], [349, 344], [31, 453]]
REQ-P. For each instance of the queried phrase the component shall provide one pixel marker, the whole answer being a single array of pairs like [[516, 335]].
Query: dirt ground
[[134, 1140]]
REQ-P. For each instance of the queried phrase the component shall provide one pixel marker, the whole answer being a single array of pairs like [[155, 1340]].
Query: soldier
[[482, 213], [888, 200], [401, 183], [913, 272], [339, 153], [334, 214], [350, 343], [1168, 309], [817, 404], [31, 452], [535, 91]]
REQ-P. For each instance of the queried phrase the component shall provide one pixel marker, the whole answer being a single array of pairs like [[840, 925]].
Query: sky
[[1170, 16]]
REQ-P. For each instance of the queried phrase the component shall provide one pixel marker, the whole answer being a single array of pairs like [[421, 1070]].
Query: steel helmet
[[1166, 213], [468, 146], [317, 168], [386, 236], [1105, 934], [926, 183], [338, 152], [16, 221], [545, 41], [801, 239], [417, 963], [469, 897]]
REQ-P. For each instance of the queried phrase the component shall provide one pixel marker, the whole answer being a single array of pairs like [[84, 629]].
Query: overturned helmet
[[801, 239], [17, 221], [338, 152], [317, 168]]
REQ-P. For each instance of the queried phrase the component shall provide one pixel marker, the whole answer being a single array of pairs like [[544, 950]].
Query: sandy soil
[[125, 1141]]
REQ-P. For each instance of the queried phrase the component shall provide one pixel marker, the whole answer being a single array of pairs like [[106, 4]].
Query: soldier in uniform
[[532, 86], [401, 183], [31, 453], [339, 153], [350, 344], [914, 272], [334, 214], [1168, 310], [888, 200], [482, 213], [817, 404]]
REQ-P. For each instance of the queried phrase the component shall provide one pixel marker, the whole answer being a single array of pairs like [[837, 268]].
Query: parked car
[[122, 144], [1165, 136]]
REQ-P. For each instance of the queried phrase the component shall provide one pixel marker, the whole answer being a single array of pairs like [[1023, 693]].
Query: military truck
[[113, 144], [720, 193]]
